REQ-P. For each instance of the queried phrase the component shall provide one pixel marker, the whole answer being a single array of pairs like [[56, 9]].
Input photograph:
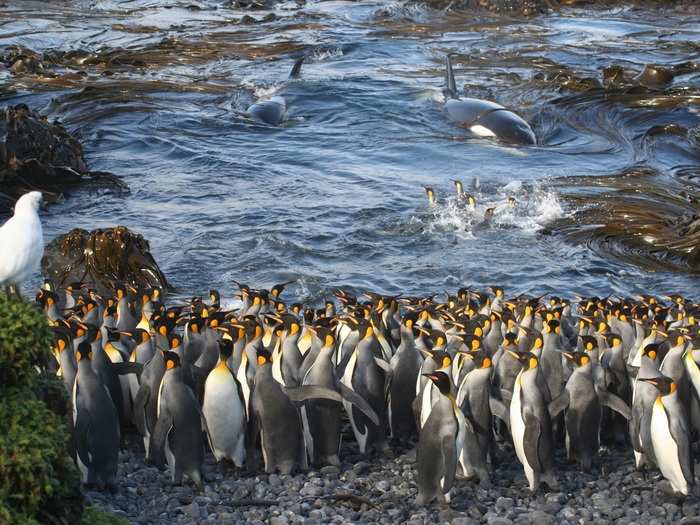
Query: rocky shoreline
[[383, 490]]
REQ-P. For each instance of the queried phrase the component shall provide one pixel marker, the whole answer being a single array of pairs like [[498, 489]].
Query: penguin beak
[[514, 354], [568, 355], [426, 353]]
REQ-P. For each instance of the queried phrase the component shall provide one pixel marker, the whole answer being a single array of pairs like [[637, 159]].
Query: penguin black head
[[366, 330], [214, 319], [471, 341], [113, 335], [78, 330], [140, 335], [480, 358], [84, 351], [579, 358], [61, 339], [172, 360], [527, 360], [613, 339], [120, 290], [678, 337], [441, 380], [664, 385], [651, 351], [510, 340], [225, 349], [214, 297], [438, 338], [277, 289], [195, 324], [326, 336], [264, 357], [589, 343], [410, 319], [442, 358], [552, 326], [174, 341]]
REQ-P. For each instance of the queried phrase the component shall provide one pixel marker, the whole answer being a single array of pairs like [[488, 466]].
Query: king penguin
[[531, 426], [439, 445], [224, 411], [670, 435], [177, 436], [96, 424]]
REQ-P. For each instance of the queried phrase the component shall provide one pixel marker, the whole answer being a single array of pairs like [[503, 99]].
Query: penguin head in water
[[441, 380], [172, 360], [665, 385], [589, 343], [225, 349], [430, 193], [277, 289], [578, 358], [84, 351], [527, 360]]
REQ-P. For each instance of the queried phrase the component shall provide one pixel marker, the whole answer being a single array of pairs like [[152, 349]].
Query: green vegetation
[[39, 483], [96, 516]]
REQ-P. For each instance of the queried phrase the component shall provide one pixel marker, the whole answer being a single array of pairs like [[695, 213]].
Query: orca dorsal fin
[[450, 90], [296, 69]]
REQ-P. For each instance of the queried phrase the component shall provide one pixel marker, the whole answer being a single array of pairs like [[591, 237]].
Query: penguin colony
[[270, 383]]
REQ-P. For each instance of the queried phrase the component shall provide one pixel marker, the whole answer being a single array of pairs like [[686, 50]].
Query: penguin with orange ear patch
[[96, 424], [474, 399], [440, 444], [177, 436], [531, 425], [583, 400]]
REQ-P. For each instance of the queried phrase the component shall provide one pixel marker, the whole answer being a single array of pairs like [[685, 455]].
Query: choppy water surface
[[334, 196]]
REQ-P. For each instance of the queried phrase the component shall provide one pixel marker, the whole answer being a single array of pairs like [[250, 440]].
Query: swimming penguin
[[96, 424], [531, 426], [272, 111], [670, 435], [583, 402], [483, 117], [224, 411], [439, 445], [177, 436]]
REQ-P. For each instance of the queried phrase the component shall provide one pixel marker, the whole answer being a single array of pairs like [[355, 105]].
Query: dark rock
[[102, 257], [36, 154]]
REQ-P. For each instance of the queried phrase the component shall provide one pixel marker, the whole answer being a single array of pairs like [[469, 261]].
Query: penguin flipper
[[359, 402], [128, 367], [160, 434], [498, 409], [81, 433], [295, 73], [635, 428], [616, 403], [299, 394], [531, 442], [559, 404], [681, 435], [449, 460], [382, 364], [140, 402]]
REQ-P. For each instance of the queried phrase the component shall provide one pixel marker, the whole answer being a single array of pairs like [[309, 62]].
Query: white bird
[[21, 242]]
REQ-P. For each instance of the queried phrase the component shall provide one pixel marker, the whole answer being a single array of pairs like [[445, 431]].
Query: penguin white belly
[[665, 448], [347, 381], [224, 413], [426, 403], [243, 381], [693, 371], [517, 427]]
